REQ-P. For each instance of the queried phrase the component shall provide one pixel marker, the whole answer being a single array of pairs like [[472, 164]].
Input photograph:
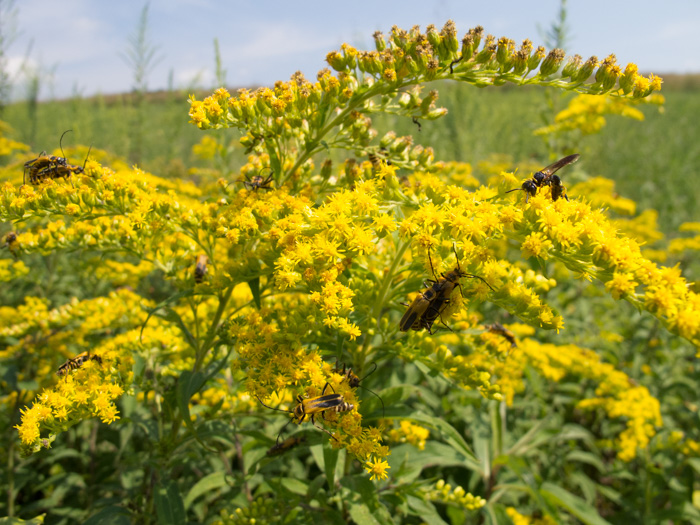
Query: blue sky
[[81, 41]]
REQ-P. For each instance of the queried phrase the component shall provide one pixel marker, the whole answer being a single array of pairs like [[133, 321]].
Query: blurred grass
[[654, 162]]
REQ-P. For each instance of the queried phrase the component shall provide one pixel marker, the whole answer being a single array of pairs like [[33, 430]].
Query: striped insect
[[354, 381], [200, 268], [43, 162], [287, 444], [429, 305], [257, 182], [498, 328], [312, 406], [546, 177], [76, 362], [56, 171], [10, 240]]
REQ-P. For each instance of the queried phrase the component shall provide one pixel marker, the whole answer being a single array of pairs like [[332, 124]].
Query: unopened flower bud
[[379, 42], [586, 70], [571, 67], [536, 58], [551, 63]]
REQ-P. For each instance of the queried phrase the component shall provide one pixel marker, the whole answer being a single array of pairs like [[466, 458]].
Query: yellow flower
[[377, 468]]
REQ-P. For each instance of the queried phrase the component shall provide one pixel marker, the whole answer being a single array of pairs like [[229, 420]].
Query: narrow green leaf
[[188, 384], [425, 510], [208, 483], [109, 516], [330, 460], [170, 510], [451, 435], [573, 504]]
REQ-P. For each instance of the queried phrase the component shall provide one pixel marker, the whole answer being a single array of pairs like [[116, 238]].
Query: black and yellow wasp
[[51, 167], [430, 304], [546, 177], [200, 268], [314, 405], [77, 362], [257, 182], [287, 444]]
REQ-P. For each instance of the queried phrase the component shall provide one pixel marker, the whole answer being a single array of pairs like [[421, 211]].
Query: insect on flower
[[354, 381], [55, 171], [10, 239], [256, 182], [43, 162], [200, 268], [312, 406], [287, 444], [429, 305], [77, 362], [546, 177], [498, 328]]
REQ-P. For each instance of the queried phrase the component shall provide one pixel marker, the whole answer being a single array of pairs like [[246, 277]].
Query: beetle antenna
[[60, 142]]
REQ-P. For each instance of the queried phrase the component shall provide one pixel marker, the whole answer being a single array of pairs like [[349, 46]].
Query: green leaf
[[573, 504], [110, 516], [330, 460], [170, 510], [295, 486], [451, 435], [254, 285], [188, 384], [586, 457], [16, 521], [425, 510], [208, 483], [361, 514]]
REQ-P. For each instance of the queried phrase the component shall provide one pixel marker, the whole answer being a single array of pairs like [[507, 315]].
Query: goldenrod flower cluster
[[410, 433]]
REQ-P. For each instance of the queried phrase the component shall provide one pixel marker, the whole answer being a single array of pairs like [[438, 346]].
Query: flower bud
[[336, 61], [551, 63], [379, 42], [433, 36], [586, 70], [536, 58], [449, 37], [628, 77], [504, 52], [571, 67], [487, 53]]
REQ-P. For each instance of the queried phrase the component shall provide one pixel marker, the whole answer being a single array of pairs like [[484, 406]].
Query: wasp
[[257, 182], [315, 405], [429, 305], [54, 171], [546, 177], [10, 239], [200, 268], [354, 381], [44, 161], [498, 328], [287, 444], [77, 362]]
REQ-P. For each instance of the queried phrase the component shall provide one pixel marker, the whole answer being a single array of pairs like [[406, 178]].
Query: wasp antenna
[[481, 279], [323, 392], [516, 189], [87, 157], [431, 266], [60, 142], [370, 373], [282, 429], [326, 431], [375, 395], [272, 408]]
